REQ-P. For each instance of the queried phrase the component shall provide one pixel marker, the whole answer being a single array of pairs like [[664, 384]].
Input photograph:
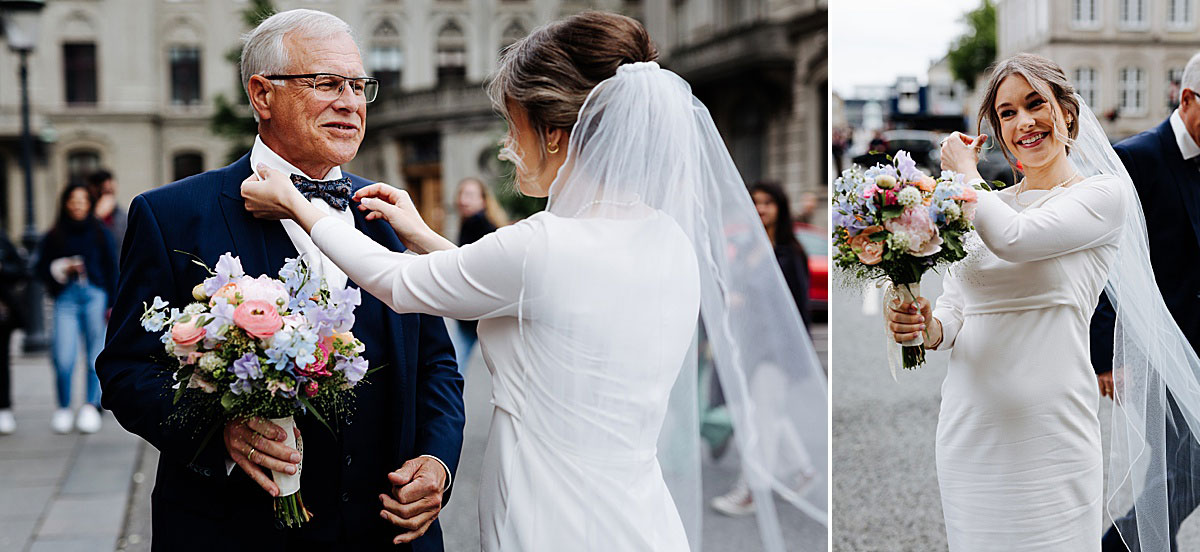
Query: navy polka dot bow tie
[[336, 193]]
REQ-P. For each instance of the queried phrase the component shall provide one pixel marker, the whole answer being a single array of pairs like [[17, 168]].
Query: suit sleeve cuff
[[444, 466]]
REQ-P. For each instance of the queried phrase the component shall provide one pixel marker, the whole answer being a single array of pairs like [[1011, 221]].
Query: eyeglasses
[[329, 86]]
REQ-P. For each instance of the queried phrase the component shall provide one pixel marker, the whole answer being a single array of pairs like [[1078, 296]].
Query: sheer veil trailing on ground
[[1151, 358], [643, 144]]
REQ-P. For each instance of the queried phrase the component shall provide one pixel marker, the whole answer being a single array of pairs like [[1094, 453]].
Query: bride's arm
[[1087, 216], [481, 280]]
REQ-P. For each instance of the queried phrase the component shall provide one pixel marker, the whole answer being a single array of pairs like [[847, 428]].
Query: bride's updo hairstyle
[[1047, 79], [550, 72]]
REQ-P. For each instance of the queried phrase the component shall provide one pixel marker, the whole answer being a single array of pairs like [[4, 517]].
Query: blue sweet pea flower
[[228, 267], [247, 367]]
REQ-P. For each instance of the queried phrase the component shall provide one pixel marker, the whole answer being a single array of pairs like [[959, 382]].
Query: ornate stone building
[[1124, 56], [130, 85]]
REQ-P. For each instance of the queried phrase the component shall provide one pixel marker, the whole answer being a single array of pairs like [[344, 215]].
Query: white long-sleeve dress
[[1019, 460], [585, 324]]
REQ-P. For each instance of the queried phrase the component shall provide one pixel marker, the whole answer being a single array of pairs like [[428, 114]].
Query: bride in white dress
[[1019, 457], [588, 311]]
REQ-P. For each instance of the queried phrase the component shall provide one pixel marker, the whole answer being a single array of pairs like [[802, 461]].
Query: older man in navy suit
[[381, 477], [1164, 164]]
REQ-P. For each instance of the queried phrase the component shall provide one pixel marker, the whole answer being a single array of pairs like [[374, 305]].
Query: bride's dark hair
[[1046, 78], [550, 72]]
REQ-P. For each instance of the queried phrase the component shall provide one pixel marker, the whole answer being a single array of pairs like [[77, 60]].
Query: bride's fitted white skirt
[[535, 496], [1019, 459]]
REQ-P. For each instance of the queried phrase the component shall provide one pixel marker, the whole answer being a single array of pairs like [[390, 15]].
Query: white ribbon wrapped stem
[[289, 484]]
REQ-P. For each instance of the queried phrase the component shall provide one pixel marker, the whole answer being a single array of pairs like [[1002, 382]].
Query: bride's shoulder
[[1105, 189]]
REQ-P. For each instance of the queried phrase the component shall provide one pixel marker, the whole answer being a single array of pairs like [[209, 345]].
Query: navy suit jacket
[[1169, 189], [412, 406]]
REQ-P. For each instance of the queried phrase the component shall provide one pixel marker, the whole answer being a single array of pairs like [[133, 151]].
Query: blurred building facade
[[130, 85], [1124, 56]]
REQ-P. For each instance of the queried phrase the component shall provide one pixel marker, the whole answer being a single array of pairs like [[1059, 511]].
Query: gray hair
[[1191, 75], [263, 51]]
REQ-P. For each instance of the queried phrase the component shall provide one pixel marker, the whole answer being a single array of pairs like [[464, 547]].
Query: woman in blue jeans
[[78, 261]]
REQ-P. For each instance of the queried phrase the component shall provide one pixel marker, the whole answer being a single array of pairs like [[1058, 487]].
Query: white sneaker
[[88, 420], [61, 422], [8, 424], [737, 502]]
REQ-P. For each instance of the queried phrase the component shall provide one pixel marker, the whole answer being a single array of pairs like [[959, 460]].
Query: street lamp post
[[20, 23]]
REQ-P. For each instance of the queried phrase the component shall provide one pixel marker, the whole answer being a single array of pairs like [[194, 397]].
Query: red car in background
[[815, 242]]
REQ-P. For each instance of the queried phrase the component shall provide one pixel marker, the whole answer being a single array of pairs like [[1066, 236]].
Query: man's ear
[[261, 91]]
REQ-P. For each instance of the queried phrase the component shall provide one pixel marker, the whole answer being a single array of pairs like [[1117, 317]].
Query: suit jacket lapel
[[262, 245], [1178, 169]]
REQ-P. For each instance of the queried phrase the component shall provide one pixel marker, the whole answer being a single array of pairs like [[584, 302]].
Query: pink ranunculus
[[186, 334], [228, 292], [259, 318], [263, 288], [869, 252], [311, 389], [319, 367], [914, 222]]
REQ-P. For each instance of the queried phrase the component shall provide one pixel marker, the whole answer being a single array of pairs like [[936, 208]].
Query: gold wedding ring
[[250, 456]]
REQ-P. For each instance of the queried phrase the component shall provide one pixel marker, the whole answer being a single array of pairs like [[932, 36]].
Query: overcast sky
[[874, 41]]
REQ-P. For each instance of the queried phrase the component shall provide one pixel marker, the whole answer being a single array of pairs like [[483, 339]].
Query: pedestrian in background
[[103, 186], [480, 214], [12, 273], [78, 261], [773, 210]]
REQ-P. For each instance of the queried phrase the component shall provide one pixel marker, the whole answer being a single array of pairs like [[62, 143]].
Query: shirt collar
[[261, 154], [1187, 145]]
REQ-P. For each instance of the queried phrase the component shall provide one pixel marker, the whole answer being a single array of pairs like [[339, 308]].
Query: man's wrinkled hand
[[254, 444], [416, 497], [1107, 384]]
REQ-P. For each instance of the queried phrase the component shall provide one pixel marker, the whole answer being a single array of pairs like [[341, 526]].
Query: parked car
[[923, 145], [993, 166], [816, 245]]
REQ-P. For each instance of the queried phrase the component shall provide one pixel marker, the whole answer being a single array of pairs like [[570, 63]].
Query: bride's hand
[[381, 201], [906, 321], [270, 194], [960, 153]]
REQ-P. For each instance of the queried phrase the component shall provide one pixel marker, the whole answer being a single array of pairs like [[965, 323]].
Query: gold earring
[[552, 148]]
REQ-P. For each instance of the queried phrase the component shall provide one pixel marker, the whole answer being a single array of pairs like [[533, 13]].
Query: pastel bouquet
[[894, 222], [268, 347]]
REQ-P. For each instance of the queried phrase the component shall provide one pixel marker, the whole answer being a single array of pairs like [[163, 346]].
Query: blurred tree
[[504, 184], [975, 50], [232, 119]]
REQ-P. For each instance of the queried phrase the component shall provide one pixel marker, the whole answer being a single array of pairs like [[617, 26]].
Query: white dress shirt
[[318, 262], [1187, 144]]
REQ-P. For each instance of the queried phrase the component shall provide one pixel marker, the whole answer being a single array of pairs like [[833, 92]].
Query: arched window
[[512, 33], [81, 163], [385, 58], [186, 164], [451, 54]]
